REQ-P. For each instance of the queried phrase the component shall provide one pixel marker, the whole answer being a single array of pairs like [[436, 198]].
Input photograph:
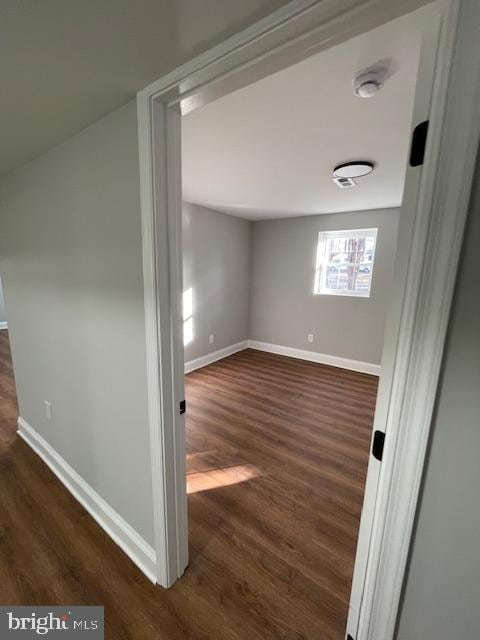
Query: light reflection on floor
[[221, 477]]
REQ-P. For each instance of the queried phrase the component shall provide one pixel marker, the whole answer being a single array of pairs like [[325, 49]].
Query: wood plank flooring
[[277, 456], [8, 396]]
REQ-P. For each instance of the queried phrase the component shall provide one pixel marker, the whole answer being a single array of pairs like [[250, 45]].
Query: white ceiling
[[65, 63], [268, 150]]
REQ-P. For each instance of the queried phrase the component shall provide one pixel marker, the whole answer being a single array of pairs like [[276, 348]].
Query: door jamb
[[443, 202]]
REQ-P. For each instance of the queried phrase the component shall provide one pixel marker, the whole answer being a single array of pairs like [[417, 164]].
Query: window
[[345, 262]]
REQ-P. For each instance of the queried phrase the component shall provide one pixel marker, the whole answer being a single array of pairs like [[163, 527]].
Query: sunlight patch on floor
[[221, 477]]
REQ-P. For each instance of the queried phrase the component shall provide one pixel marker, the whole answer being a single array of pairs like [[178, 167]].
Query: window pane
[[345, 262]]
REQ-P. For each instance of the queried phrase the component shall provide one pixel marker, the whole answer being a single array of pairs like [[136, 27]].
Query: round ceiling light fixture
[[355, 169]]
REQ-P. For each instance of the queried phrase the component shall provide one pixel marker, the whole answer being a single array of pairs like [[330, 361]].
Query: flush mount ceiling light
[[355, 169]]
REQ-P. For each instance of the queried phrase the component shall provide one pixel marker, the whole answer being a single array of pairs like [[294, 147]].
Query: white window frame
[[322, 262]]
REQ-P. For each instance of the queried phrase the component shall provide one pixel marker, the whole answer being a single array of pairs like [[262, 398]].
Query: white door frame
[[439, 214]]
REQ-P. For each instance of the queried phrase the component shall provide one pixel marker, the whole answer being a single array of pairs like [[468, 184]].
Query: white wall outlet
[[48, 410], [211, 338], [310, 337]]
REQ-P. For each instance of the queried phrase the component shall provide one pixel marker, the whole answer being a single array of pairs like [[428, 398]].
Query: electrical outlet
[[211, 338], [310, 337], [48, 410]]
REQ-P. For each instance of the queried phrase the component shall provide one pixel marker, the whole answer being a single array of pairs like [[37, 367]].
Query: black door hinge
[[378, 442], [183, 406], [419, 141], [349, 637]]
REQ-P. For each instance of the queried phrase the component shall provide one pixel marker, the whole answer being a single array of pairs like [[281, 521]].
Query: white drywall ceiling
[[268, 150], [65, 63]]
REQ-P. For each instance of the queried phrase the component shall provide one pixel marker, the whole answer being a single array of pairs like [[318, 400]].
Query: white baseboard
[[313, 356], [138, 550], [302, 354], [3, 325], [191, 365]]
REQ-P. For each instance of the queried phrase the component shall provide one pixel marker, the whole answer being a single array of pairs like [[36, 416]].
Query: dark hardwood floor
[[277, 456], [8, 395]]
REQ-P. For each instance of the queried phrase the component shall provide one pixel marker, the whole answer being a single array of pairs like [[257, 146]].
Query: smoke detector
[[367, 84]]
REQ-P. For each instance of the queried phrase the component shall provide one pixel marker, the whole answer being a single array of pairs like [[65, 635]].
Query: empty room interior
[[239, 313], [292, 188]]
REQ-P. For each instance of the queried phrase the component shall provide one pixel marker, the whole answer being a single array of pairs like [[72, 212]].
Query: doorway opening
[[432, 214], [287, 283]]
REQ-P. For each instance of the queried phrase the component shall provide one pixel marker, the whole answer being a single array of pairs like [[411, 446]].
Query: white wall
[[442, 591], [283, 307], [216, 266], [71, 264], [3, 311]]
